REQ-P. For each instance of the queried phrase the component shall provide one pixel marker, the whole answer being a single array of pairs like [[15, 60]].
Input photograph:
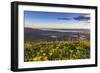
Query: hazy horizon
[[56, 28]]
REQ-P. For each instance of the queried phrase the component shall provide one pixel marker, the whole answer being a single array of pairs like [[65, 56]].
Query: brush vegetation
[[56, 50]]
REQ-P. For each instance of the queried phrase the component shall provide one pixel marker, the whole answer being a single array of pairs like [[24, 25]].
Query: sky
[[34, 19]]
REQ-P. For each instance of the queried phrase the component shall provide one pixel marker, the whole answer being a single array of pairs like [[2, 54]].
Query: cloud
[[83, 17], [64, 18]]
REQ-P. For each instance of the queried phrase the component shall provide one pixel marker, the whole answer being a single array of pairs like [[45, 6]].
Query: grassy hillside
[[56, 50]]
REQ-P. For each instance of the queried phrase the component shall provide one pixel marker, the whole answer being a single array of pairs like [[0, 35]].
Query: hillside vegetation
[[56, 50]]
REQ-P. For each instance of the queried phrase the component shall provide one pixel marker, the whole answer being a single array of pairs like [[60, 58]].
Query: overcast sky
[[56, 20]]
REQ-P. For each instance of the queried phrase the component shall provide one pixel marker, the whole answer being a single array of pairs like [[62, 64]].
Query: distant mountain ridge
[[48, 34], [57, 29]]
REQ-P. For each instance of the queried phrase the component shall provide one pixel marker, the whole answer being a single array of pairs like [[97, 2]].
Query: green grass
[[56, 50]]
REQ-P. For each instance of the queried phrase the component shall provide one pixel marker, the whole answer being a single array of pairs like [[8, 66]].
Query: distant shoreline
[[60, 30]]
